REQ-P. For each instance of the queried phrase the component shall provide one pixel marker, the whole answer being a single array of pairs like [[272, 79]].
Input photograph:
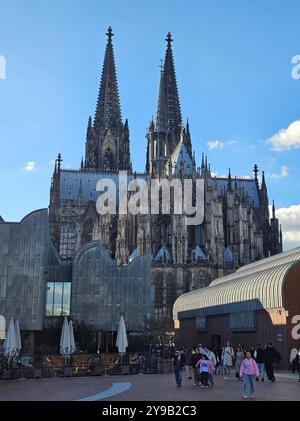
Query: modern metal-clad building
[[259, 303], [37, 286]]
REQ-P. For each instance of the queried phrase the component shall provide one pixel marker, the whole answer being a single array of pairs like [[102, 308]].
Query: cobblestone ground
[[159, 387]]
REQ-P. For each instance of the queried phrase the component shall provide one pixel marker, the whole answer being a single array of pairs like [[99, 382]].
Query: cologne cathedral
[[237, 228]]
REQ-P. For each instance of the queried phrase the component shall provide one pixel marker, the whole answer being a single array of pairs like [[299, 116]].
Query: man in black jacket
[[270, 356], [195, 358], [178, 364], [260, 357]]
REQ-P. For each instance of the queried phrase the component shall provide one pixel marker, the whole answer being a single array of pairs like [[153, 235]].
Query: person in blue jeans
[[178, 364], [248, 372]]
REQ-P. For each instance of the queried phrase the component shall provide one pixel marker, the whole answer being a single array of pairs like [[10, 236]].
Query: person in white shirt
[[212, 358], [227, 358], [294, 359]]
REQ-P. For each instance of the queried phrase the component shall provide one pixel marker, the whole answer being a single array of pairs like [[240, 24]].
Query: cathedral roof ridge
[[238, 177]]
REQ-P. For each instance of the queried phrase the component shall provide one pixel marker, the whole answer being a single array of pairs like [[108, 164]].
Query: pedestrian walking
[[260, 358], [248, 372], [227, 359], [178, 364], [205, 367], [212, 358], [270, 361], [219, 367], [295, 360], [201, 349], [194, 360], [239, 356], [188, 366]]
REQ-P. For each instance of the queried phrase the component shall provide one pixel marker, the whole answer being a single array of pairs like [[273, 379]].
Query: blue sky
[[233, 64]]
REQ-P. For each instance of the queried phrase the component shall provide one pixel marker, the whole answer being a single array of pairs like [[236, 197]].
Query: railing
[[150, 366]]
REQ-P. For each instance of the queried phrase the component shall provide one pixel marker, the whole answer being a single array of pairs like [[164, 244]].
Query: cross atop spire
[[59, 161], [255, 170], [109, 34], [169, 39]]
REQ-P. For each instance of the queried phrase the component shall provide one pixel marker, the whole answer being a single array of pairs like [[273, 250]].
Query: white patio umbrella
[[65, 342], [10, 344], [18, 336], [122, 342], [72, 341]]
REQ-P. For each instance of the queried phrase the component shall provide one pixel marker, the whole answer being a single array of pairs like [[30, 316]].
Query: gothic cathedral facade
[[237, 228]]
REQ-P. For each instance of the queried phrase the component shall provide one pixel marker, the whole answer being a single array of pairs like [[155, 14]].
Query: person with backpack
[[248, 372], [178, 364], [205, 367], [227, 359]]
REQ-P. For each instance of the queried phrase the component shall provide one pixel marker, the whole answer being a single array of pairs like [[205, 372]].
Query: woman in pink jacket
[[249, 371]]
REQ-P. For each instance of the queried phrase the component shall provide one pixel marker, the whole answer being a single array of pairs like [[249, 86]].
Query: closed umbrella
[[122, 342], [18, 336], [10, 344], [72, 341], [65, 343]]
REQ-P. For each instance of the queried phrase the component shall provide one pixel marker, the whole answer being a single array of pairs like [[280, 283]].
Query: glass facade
[[67, 241], [58, 299]]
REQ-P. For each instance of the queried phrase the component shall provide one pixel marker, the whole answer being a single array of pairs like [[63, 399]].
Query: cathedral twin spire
[[168, 116], [107, 139], [107, 142], [108, 110]]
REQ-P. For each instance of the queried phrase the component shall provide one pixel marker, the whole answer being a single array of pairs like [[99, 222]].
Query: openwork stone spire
[[108, 110], [171, 91], [161, 123]]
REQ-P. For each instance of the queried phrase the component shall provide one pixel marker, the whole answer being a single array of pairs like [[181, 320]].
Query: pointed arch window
[[108, 160], [158, 283], [187, 282], [171, 292], [87, 231]]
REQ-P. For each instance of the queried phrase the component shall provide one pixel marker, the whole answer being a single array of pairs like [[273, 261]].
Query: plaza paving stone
[[153, 387]]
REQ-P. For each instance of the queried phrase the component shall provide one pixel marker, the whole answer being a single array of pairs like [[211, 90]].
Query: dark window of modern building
[[201, 323], [58, 299], [242, 321]]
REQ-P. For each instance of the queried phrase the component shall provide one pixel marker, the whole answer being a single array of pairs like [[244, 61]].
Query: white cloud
[[30, 166], [284, 172], [286, 139], [52, 162], [215, 144], [215, 174], [289, 218], [218, 144]]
